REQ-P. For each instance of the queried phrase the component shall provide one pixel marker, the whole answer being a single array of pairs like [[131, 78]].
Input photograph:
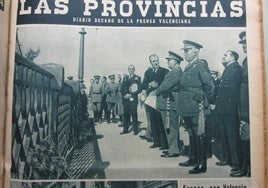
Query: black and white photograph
[[97, 184], [132, 104]]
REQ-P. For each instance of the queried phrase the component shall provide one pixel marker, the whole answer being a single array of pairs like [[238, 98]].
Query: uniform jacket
[[167, 92], [96, 92], [112, 90], [150, 76], [104, 91], [229, 90], [125, 89], [244, 97], [196, 82]]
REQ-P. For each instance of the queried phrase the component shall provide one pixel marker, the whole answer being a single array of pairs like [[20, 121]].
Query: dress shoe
[[240, 173], [165, 152], [170, 155], [190, 162], [135, 133], [143, 137], [163, 148], [235, 170], [124, 132], [198, 170], [222, 163], [154, 146]]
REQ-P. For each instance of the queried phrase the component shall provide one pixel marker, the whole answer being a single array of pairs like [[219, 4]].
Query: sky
[[110, 50]]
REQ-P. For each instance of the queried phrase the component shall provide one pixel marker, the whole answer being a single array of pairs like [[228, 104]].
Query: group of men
[[191, 95], [106, 99]]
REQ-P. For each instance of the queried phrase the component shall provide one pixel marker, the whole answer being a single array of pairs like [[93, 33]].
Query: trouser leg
[[201, 165], [172, 136], [134, 115], [192, 143], [126, 119], [148, 133], [233, 139]]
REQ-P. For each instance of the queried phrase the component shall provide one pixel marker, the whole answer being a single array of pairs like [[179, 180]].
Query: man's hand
[[127, 96], [212, 106], [153, 84], [168, 130], [153, 93]]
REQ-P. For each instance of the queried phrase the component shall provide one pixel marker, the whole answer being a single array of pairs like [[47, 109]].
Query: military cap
[[96, 76], [172, 55], [241, 36], [112, 76], [189, 44]]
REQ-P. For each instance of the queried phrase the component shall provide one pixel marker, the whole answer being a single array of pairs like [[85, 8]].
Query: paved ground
[[130, 157]]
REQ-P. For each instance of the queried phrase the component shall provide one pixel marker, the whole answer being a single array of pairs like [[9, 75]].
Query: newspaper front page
[[132, 94]]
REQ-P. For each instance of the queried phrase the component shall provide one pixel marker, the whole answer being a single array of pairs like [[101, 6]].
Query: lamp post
[[81, 56]]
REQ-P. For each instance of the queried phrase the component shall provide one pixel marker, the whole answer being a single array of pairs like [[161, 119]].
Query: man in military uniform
[[196, 88], [104, 96], [96, 97], [244, 115], [227, 109], [111, 99], [119, 101], [131, 87], [153, 77], [166, 94]]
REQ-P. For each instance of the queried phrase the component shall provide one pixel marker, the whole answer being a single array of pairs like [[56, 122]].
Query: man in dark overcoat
[[227, 109], [131, 87], [153, 77], [166, 94], [196, 88], [244, 115]]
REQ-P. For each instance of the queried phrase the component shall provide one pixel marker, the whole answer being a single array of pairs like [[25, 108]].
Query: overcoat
[[227, 98], [112, 90], [168, 90], [244, 97], [127, 85], [196, 82], [150, 76], [96, 92]]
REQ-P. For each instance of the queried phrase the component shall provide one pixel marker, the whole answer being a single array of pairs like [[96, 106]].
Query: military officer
[[244, 115], [153, 77], [96, 94], [131, 87], [227, 109], [104, 96], [196, 87], [111, 99], [166, 95], [119, 102]]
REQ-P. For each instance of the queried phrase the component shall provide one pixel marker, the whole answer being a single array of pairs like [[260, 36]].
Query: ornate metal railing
[[44, 122]]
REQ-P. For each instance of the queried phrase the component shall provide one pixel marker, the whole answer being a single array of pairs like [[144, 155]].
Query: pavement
[[130, 157]]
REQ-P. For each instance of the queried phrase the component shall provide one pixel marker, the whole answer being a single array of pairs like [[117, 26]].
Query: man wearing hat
[[111, 99], [167, 94], [196, 87], [244, 115], [104, 96], [153, 77], [96, 97]]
